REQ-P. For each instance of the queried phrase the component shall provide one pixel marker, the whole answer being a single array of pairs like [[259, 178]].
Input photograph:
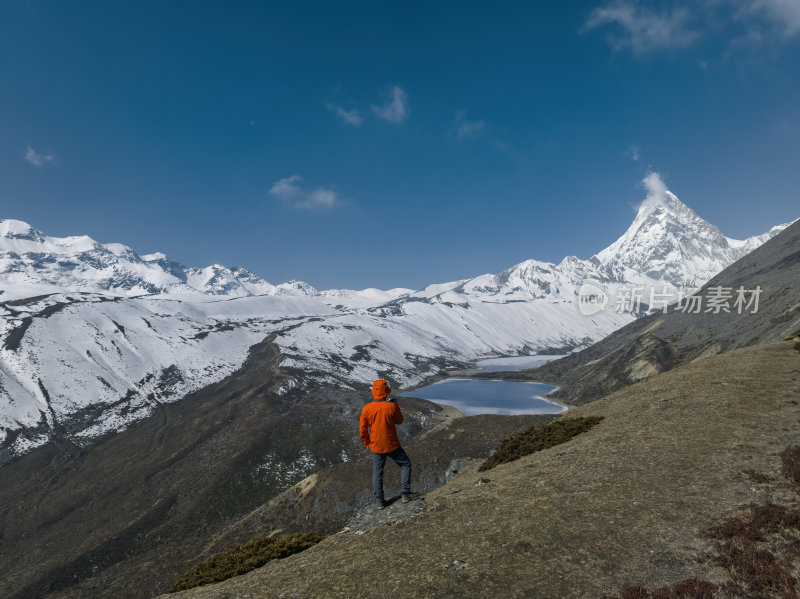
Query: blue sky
[[381, 144]]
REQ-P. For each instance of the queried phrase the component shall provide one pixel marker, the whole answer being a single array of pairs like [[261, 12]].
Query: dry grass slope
[[622, 505], [758, 549]]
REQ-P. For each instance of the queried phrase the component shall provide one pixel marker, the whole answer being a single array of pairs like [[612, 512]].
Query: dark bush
[[756, 476], [764, 519], [691, 588], [791, 463], [538, 438], [240, 559]]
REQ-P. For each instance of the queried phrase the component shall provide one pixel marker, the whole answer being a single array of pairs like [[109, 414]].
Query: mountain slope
[[79, 365], [118, 511], [620, 505], [84, 358], [623, 504], [530, 308], [115, 504]]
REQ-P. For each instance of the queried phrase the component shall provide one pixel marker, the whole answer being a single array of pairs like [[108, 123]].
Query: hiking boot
[[409, 497], [382, 505]]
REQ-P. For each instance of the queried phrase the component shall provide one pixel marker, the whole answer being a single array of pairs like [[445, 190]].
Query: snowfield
[[83, 351], [95, 336]]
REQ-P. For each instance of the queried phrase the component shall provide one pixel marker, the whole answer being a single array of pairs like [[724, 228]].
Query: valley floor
[[623, 504]]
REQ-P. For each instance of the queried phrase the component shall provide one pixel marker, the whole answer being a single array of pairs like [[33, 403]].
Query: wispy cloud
[[350, 117], [765, 25], [746, 44], [37, 159], [634, 153], [466, 129], [657, 193], [292, 194], [642, 29], [782, 14], [395, 109]]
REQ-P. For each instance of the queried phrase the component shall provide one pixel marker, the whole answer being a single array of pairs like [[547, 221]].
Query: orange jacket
[[377, 426]]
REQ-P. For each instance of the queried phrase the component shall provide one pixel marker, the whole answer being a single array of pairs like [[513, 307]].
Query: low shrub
[[240, 559], [791, 463], [756, 476], [538, 438], [691, 588]]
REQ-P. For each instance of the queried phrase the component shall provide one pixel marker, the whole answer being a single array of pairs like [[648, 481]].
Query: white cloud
[[784, 14], [657, 194], [465, 129], [642, 29], [351, 117], [635, 152], [395, 109], [291, 193], [746, 43], [37, 159]]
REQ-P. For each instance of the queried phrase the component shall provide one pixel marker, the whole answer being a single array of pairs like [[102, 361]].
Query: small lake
[[479, 396]]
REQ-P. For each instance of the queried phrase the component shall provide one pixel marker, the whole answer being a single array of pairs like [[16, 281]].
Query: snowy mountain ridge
[[32, 263], [80, 356], [668, 241]]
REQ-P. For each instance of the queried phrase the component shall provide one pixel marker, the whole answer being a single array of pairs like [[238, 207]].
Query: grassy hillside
[[627, 506]]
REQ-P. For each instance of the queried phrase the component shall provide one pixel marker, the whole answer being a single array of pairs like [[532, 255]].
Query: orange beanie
[[380, 389]]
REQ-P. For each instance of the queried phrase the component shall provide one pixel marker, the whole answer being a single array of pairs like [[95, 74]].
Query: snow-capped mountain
[[667, 246], [81, 356], [33, 263], [529, 308], [669, 242]]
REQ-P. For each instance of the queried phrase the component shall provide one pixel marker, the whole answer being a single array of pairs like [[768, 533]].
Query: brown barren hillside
[[626, 503]]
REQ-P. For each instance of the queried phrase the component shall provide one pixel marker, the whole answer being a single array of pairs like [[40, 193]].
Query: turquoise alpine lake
[[476, 396]]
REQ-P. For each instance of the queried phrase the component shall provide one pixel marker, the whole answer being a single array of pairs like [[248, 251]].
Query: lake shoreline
[[484, 368]]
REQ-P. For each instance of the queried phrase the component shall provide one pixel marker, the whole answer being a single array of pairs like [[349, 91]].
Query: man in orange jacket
[[379, 434]]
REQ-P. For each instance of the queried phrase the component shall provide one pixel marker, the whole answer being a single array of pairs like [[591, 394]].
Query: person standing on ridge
[[378, 430]]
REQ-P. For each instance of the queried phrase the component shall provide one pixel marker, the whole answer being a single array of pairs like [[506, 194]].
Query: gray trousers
[[379, 460]]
